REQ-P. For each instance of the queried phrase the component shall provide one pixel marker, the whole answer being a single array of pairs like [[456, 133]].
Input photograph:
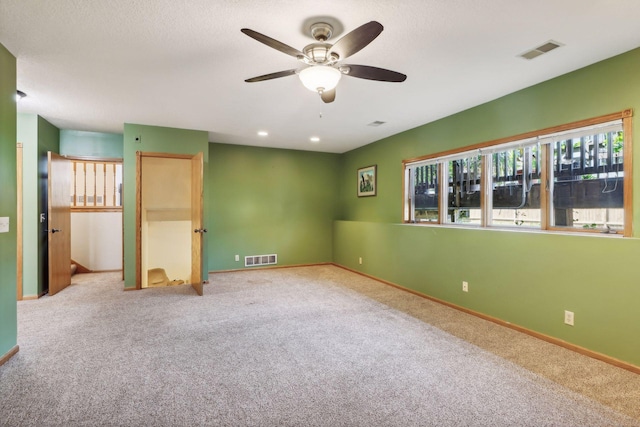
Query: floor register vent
[[254, 260]]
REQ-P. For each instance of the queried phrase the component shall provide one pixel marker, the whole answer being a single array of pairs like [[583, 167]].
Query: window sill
[[520, 230]]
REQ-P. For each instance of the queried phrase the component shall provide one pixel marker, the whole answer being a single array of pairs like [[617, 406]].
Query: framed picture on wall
[[367, 181]]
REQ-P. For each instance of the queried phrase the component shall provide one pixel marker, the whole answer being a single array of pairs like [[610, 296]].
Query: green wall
[[8, 202], [162, 140], [266, 201], [91, 144], [528, 279], [32, 230], [37, 136]]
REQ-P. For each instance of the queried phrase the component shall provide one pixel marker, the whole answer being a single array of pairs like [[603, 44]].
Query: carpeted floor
[[308, 346]]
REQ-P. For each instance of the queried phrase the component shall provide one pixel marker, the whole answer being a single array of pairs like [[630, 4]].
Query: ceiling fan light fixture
[[319, 78]]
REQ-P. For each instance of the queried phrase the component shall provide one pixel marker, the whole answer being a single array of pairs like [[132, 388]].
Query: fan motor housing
[[318, 53], [321, 31]]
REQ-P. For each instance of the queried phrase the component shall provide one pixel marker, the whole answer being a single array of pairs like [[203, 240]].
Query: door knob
[[200, 230], [53, 231]]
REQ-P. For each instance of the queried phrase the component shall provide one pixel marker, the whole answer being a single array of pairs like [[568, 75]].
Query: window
[[96, 184], [588, 181], [463, 190], [515, 184], [425, 191], [571, 178]]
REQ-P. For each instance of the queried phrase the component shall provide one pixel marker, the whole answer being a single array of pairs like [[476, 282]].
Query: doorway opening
[[96, 215], [169, 220]]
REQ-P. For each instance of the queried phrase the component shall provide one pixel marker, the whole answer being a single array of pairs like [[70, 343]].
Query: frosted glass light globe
[[320, 78]]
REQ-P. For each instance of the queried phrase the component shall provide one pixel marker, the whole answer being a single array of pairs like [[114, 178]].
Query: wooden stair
[[76, 267]]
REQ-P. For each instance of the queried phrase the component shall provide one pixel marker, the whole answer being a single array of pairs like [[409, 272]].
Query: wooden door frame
[[139, 156], [19, 248], [197, 221]]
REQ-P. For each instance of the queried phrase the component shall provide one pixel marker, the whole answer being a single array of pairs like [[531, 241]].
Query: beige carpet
[[291, 347]]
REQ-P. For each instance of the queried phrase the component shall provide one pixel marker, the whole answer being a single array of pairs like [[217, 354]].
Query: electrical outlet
[[4, 224], [237, 257], [360, 260], [465, 286], [568, 317]]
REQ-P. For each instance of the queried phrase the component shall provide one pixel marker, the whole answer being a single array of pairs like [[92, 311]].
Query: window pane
[[588, 184], [515, 183], [426, 193], [464, 177]]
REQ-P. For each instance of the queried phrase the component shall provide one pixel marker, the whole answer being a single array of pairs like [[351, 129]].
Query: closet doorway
[[169, 220]]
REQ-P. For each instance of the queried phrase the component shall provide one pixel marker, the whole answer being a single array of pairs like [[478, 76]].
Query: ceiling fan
[[323, 71]]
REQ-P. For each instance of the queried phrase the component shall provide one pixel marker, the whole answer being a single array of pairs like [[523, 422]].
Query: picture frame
[[367, 181]]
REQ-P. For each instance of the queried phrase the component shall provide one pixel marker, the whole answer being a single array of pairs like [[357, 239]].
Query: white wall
[[169, 247], [96, 240]]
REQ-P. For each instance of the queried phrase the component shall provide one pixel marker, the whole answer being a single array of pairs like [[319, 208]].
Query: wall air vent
[[255, 260], [540, 50]]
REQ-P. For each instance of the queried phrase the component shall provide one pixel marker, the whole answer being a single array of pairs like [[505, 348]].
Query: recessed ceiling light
[[376, 123], [263, 133], [314, 139], [20, 94]]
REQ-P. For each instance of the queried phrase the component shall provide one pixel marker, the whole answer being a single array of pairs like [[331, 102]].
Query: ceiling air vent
[[376, 123], [540, 50]]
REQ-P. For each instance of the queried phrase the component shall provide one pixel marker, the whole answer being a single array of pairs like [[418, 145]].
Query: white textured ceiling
[[96, 64]]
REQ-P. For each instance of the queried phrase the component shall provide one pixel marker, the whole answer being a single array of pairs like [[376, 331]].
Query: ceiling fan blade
[[273, 43], [372, 73], [271, 76], [357, 39], [328, 95]]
